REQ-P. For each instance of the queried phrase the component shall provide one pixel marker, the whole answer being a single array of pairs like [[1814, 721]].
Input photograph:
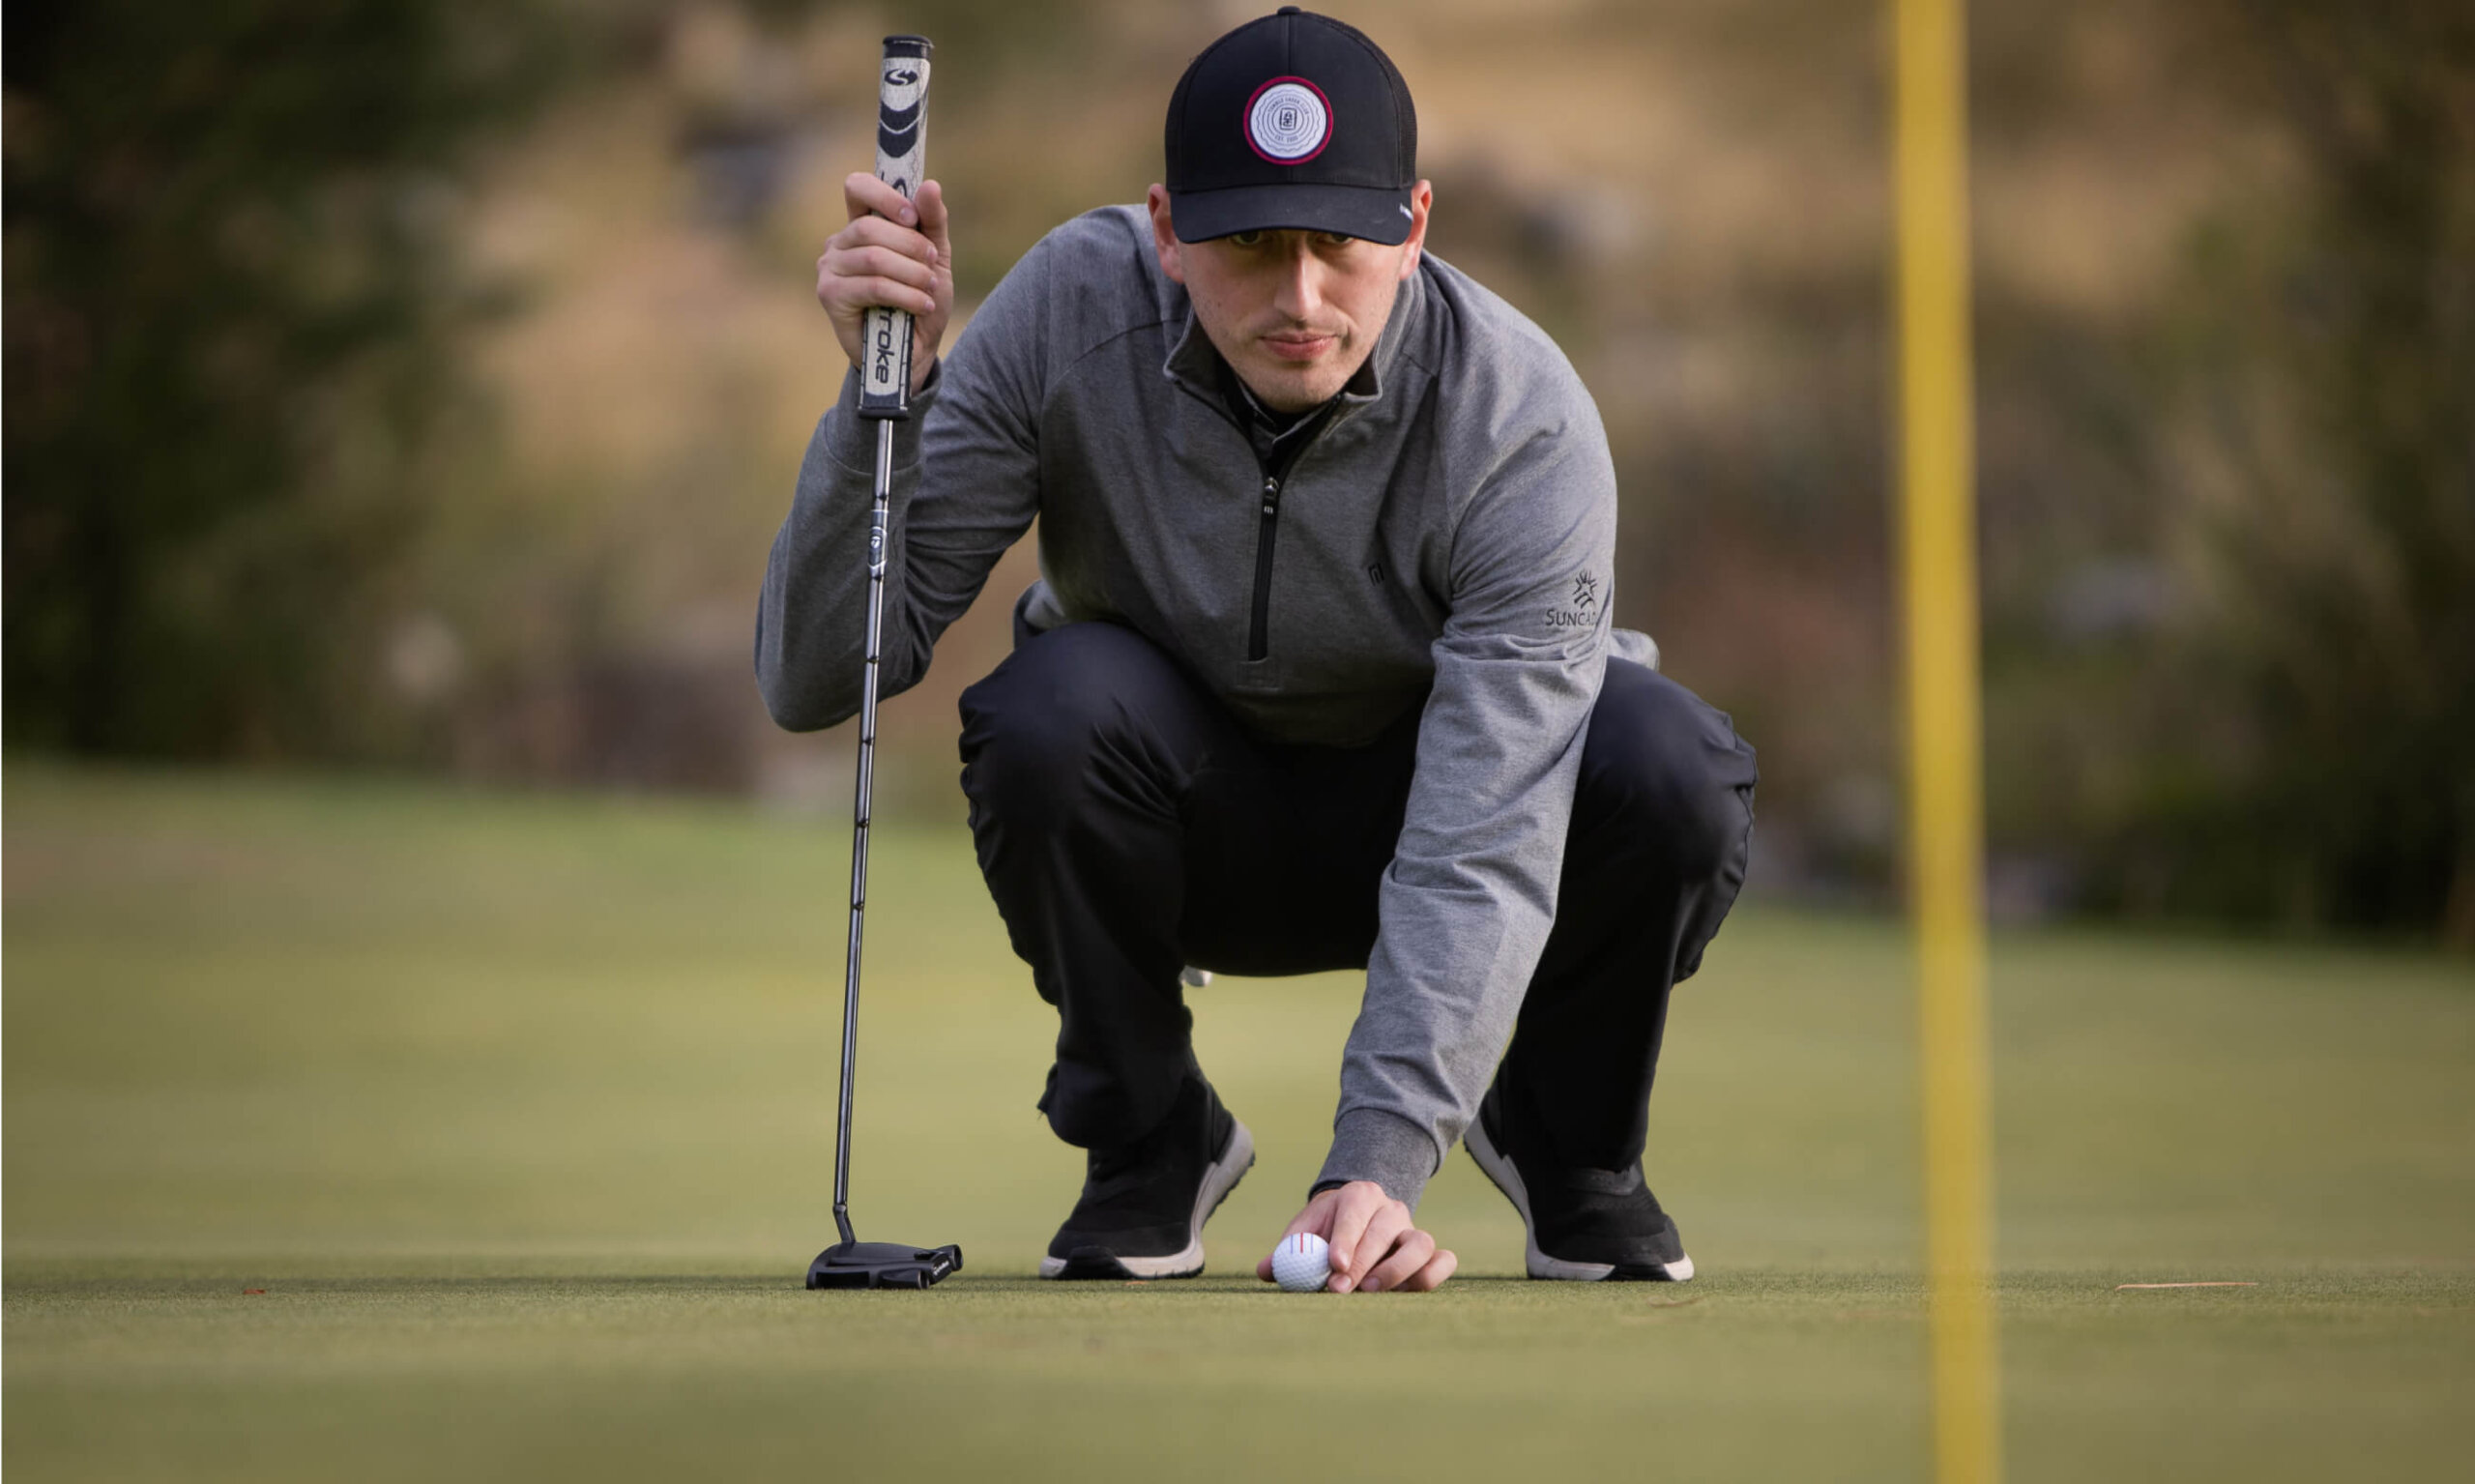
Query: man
[[1319, 674]]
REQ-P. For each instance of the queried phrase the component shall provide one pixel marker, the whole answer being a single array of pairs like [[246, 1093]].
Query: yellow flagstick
[[1945, 783]]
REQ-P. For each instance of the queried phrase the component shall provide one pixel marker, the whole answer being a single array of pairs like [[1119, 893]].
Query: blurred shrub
[[2321, 763], [231, 276]]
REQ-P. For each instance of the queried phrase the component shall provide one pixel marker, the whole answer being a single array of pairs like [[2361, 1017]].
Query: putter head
[[882, 1264]]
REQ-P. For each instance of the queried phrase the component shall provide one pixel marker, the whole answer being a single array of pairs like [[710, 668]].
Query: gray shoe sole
[[1219, 1177], [1499, 1170]]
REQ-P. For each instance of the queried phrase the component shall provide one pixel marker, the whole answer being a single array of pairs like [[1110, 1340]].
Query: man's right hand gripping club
[[893, 252], [1375, 1246]]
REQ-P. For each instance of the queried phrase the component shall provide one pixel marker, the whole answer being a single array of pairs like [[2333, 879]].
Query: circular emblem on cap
[[1289, 121]]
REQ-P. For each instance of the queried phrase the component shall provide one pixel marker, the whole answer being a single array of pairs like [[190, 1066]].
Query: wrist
[[1368, 1144]]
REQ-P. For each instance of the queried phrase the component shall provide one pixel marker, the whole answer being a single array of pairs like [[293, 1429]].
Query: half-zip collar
[[1277, 438]]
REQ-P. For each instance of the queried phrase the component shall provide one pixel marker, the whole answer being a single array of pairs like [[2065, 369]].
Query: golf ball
[[1302, 1262]]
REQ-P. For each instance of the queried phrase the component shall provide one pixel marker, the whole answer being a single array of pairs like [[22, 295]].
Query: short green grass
[[519, 1112]]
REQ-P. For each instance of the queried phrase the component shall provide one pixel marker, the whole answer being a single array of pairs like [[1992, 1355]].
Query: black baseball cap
[[1292, 121]]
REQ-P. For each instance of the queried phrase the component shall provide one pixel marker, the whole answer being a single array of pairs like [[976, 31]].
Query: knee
[[1035, 724], [1663, 777]]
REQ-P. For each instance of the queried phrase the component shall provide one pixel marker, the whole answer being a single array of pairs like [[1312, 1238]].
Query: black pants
[[1128, 824]]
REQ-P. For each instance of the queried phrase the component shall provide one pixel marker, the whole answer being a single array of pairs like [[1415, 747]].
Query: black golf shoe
[[1143, 1205], [1585, 1225]]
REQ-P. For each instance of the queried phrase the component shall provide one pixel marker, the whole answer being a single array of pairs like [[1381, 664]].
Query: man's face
[[1294, 313]]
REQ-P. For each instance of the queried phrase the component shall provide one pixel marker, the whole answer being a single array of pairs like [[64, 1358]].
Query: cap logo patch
[[1289, 121]]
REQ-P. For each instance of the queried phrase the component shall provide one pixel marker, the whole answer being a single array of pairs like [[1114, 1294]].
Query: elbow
[[794, 698], [811, 686], [792, 716], [798, 708]]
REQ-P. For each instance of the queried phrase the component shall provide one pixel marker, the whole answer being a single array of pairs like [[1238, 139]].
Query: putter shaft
[[865, 794]]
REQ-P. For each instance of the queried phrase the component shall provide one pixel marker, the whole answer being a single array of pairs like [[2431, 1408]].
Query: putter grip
[[902, 153]]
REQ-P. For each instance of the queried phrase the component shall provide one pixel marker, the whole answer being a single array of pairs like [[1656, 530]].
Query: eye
[[1247, 239], [1334, 240]]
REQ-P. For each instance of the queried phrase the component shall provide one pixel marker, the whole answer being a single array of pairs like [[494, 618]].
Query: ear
[[1421, 201], [1164, 236]]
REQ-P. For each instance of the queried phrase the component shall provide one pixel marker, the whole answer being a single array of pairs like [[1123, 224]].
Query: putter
[[885, 396]]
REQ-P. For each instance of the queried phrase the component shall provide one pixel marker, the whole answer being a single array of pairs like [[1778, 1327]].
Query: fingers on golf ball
[[1302, 1262]]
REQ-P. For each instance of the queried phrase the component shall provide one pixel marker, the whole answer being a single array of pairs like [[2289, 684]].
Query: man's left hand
[[1374, 1245]]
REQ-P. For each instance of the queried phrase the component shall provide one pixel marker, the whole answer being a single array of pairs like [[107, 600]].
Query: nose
[[1299, 294]]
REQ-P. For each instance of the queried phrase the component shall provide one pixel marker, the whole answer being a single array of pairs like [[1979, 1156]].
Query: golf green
[[380, 1131]]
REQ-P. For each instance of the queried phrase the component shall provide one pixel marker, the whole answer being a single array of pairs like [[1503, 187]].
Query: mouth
[[1297, 346]]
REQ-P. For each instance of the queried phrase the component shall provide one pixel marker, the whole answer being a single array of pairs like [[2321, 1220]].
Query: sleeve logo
[[1581, 608]]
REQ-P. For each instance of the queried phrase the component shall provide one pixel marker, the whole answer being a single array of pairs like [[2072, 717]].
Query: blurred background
[[422, 949], [415, 385]]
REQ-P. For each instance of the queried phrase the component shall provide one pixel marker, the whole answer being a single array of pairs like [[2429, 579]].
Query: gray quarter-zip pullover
[[1445, 538]]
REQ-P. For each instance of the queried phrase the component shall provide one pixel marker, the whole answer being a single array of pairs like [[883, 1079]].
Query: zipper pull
[[1271, 495]]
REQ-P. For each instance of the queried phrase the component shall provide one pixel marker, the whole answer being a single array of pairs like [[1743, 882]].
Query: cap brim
[[1373, 212]]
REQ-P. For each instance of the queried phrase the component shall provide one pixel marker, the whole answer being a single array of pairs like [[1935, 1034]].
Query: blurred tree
[[230, 285], [2328, 373]]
